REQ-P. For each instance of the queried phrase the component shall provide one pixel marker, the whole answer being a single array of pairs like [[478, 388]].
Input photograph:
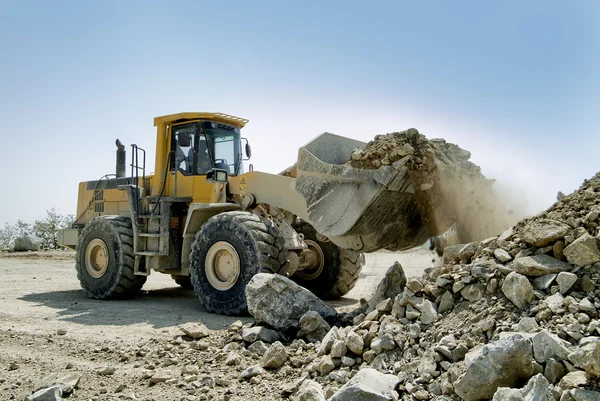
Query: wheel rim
[[222, 266], [311, 274], [96, 258]]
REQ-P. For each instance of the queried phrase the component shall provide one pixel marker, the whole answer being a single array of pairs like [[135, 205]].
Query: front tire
[[104, 259], [228, 251], [337, 271]]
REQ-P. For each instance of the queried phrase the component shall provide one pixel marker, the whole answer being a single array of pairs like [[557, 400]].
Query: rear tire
[[340, 269], [228, 251], [104, 259]]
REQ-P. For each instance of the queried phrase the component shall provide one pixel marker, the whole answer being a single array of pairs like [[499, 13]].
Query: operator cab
[[201, 146]]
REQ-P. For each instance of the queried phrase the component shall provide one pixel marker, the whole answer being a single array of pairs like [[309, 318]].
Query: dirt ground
[[47, 325]]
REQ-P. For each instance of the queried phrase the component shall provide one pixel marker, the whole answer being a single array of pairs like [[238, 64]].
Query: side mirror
[[248, 149], [217, 175]]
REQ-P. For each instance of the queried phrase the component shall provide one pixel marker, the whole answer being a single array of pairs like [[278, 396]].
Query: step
[[150, 235], [149, 253]]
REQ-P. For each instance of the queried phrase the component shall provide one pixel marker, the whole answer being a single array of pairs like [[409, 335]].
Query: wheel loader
[[211, 225]]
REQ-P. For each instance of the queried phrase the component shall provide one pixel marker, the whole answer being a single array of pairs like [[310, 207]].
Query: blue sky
[[515, 83]]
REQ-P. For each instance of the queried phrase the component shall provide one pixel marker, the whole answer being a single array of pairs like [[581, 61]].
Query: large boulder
[[544, 232], [26, 243], [367, 385], [583, 251], [539, 265], [279, 302], [499, 364], [392, 284], [538, 389]]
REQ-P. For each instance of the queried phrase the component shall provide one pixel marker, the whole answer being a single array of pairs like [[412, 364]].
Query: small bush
[[46, 230]]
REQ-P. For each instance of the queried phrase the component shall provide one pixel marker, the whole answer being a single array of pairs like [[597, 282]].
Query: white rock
[[565, 281], [555, 302], [583, 251], [502, 255]]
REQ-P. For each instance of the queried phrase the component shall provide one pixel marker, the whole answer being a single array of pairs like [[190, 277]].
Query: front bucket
[[377, 205]]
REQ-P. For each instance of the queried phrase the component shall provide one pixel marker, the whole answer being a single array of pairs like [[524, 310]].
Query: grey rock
[[584, 395], [259, 333], [574, 379], [452, 253], [555, 302], [313, 327], [587, 357], [446, 302], [498, 364], [161, 376], [537, 389], [502, 255], [328, 341], [384, 343], [195, 330], [586, 305], [310, 391], [26, 243], [565, 281], [544, 282], [354, 342], [66, 381], [385, 306], [414, 285], [275, 356], [554, 371], [338, 349], [587, 284], [392, 284], [53, 393], [583, 251], [527, 325], [251, 372], [467, 252], [539, 265], [326, 365], [544, 232], [233, 359], [518, 289], [547, 345], [472, 292], [428, 311], [258, 348], [280, 302], [368, 385]]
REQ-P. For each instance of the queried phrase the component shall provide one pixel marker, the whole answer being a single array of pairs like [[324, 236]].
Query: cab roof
[[237, 122]]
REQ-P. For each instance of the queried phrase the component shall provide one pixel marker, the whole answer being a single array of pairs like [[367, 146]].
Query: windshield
[[201, 146], [225, 146]]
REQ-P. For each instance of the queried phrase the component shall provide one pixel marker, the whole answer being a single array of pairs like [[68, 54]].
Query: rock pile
[[448, 188], [510, 317]]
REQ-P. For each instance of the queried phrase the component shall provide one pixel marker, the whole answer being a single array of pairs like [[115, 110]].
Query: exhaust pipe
[[120, 159]]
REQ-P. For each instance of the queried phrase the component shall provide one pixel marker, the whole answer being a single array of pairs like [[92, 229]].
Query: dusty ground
[[40, 296]]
